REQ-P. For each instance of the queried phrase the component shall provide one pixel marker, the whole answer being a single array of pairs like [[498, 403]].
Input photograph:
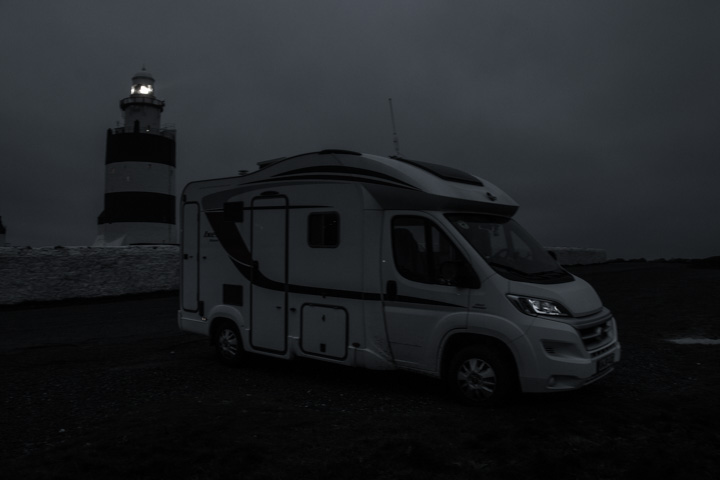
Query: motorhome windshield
[[508, 248]]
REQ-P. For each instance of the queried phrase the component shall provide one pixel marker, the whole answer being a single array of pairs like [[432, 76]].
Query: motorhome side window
[[421, 251], [324, 230]]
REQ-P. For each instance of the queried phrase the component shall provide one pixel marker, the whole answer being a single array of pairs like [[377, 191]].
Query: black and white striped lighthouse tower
[[139, 173]]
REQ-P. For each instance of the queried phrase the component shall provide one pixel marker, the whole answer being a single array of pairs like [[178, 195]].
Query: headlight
[[538, 306]]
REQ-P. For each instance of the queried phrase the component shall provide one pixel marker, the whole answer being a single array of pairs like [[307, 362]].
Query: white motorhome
[[386, 263]]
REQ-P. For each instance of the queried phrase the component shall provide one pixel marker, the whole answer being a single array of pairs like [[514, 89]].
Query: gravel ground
[[162, 407]]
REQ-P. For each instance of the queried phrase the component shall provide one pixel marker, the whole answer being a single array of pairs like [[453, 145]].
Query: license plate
[[605, 363]]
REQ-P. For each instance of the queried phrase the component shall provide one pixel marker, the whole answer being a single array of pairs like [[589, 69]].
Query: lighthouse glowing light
[[139, 173], [141, 90]]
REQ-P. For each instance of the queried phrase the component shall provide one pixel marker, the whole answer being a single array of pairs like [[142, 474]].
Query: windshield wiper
[[544, 275], [551, 273], [508, 269]]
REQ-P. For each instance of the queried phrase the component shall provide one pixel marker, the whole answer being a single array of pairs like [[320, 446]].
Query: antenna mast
[[395, 135]]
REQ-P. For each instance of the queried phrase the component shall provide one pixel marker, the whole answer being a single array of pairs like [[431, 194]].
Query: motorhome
[[386, 263]]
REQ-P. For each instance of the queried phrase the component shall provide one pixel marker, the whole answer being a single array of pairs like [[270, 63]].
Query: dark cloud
[[600, 118]]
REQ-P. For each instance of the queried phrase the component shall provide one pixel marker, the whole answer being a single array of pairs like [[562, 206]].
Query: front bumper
[[569, 355]]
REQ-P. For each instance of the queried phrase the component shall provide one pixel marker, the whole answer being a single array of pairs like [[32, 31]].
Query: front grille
[[602, 351], [597, 335]]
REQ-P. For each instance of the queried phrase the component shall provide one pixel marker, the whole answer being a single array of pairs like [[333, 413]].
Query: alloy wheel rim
[[476, 379], [228, 343]]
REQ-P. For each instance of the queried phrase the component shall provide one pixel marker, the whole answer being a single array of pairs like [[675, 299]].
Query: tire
[[482, 375], [228, 344]]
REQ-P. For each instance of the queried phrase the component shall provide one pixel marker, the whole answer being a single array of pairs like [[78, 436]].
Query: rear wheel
[[228, 344], [481, 375]]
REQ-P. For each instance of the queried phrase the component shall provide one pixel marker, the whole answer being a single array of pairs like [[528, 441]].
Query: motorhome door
[[419, 261], [190, 244], [269, 280]]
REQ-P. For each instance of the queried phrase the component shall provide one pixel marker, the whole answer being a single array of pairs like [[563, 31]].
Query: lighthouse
[[139, 173]]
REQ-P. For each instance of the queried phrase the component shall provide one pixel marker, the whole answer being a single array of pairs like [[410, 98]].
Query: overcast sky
[[600, 118]]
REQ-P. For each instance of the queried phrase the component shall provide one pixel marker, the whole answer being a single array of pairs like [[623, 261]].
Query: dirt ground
[[163, 408]]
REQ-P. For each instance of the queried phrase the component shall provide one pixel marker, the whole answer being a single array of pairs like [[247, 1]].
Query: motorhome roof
[[394, 183], [441, 171], [444, 172]]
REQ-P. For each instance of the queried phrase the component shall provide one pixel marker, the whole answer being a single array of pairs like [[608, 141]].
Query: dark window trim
[[429, 254], [323, 235]]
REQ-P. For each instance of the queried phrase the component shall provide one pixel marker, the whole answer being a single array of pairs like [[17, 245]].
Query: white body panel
[[302, 256]]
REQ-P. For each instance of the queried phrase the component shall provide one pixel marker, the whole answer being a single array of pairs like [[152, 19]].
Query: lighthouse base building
[[139, 173]]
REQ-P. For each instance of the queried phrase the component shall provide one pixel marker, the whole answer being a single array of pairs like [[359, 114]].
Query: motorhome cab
[[386, 263]]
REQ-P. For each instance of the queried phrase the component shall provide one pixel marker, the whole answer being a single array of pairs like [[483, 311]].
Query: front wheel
[[228, 344], [481, 375]]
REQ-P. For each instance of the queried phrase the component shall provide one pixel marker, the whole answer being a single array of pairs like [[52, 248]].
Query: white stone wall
[[45, 274], [125, 233]]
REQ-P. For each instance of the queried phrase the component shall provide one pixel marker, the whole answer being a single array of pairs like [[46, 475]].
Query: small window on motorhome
[[422, 252], [324, 230]]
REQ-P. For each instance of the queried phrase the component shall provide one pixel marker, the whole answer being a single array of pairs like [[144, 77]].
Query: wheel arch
[[458, 341], [218, 322], [219, 315]]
